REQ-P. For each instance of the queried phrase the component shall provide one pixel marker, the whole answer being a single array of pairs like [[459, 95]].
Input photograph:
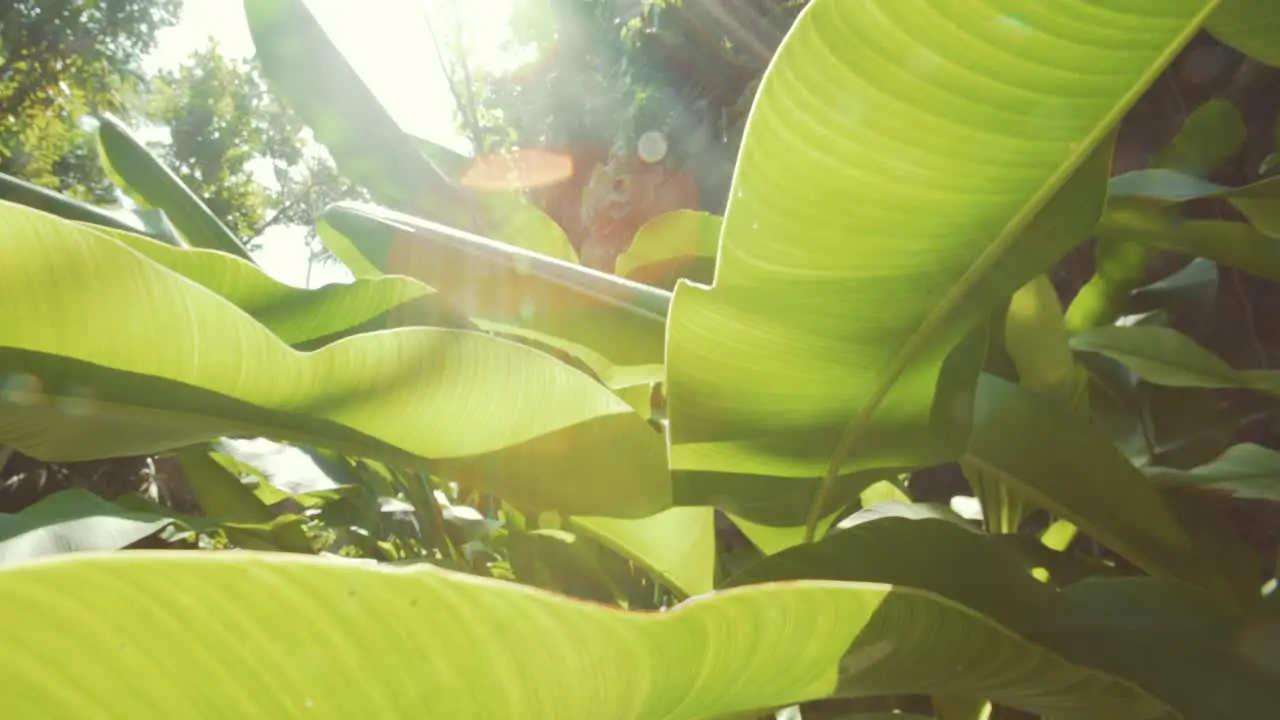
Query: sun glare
[[386, 41]]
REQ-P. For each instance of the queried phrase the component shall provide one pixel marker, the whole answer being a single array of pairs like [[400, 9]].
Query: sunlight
[[389, 45], [386, 41]]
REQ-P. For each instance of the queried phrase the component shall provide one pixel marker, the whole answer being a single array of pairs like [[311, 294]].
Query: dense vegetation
[[953, 399]]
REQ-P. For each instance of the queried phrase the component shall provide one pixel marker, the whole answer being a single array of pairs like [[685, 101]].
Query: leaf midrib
[[959, 291]]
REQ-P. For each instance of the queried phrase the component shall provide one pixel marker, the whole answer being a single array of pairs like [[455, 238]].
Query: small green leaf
[[771, 540], [883, 491], [145, 179], [516, 221], [1234, 244], [1212, 135], [1059, 535], [1164, 356], [73, 520], [1164, 185], [297, 315], [1055, 459], [222, 496], [1250, 26], [1187, 294], [678, 545], [677, 244], [1035, 336], [1245, 471], [1259, 202]]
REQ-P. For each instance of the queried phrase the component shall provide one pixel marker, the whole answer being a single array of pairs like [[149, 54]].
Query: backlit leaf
[[127, 357], [414, 635]]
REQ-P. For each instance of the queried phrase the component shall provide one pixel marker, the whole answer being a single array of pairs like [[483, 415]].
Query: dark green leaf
[[73, 520], [145, 179], [1245, 471], [1055, 459], [1159, 634]]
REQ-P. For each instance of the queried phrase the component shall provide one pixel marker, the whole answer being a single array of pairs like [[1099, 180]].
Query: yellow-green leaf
[[152, 185], [424, 641], [1250, 26], [123, 356], [906, 167]]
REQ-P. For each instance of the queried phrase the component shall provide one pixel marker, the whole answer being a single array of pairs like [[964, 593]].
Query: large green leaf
[[294, 314], [307, 71], [1245, 471], [1250, 26], [123, 356], [73, 520], [427, 641], [1053, 458], [508, 289], [906, 167], [1158, 634], [1164, 356], [145, 179]]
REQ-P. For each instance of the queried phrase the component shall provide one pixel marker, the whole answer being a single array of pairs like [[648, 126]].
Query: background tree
[[606, 72], [61, 60], [238, 148]]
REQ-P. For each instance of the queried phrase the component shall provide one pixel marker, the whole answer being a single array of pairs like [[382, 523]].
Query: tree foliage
[[238, 148], [61, 60]]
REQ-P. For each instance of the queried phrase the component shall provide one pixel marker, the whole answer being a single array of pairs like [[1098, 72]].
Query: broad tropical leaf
[[1053, 458], [615, 325], [414, 635], [145, 179], [1164, 356], [1244, 471], [1166, 639], [73, 520], [818, 349], [676, 244], [296, 315], [128, 357], [1250, 26], [307, 71]]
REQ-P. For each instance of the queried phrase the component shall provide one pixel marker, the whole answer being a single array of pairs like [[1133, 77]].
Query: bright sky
[[388, 44]]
